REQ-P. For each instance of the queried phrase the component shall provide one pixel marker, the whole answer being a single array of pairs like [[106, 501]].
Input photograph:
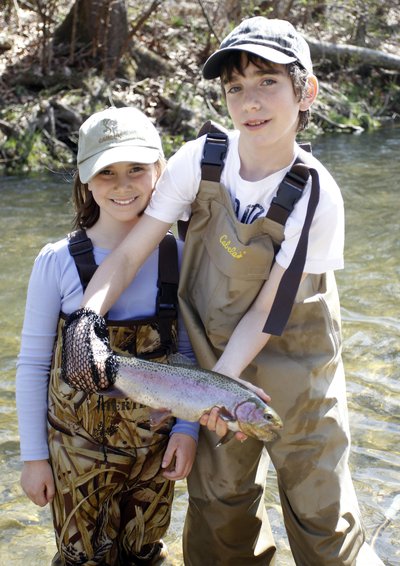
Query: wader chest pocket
[[237, 250]]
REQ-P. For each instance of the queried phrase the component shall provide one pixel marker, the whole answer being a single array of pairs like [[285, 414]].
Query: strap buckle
[[212, 162], [166, 298], [289, 191], [215, 148]]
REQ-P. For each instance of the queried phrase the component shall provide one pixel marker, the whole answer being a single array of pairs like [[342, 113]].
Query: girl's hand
[[37, 482], [179, 456]]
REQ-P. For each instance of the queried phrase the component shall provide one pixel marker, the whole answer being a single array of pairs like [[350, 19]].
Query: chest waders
[[225, 264], [112, 504]]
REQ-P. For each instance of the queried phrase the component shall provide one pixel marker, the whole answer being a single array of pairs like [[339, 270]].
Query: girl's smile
[[122, 191]]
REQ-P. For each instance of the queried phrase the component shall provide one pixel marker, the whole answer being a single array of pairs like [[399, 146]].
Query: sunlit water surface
[[35, 210]]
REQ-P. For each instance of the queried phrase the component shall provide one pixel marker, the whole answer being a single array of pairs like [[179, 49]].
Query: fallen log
[[341, 53]]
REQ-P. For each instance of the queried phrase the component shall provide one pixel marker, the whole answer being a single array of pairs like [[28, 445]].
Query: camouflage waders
[[224, 266], [112, 504]]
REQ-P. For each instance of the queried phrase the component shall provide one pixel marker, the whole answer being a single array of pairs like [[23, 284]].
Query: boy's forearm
[[110, 280], [117, 271], [248, 338]]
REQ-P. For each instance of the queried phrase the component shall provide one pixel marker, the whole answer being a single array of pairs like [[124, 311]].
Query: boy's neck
[[257, 163]]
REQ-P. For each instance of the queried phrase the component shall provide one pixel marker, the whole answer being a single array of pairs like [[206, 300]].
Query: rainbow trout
[[187, 392]]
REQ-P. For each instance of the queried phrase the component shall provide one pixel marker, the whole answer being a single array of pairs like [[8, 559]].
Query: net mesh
[[88, 363]]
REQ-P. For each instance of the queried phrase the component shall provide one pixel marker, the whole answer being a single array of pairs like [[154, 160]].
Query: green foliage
[[160, 70], [171, 143]]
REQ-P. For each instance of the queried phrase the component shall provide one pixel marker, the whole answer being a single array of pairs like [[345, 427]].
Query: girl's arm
[[37, 481], [179, 457], [42, 310], [40, 322]]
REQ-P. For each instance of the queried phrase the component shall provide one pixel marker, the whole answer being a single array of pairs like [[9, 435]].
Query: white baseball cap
[[115, 135]]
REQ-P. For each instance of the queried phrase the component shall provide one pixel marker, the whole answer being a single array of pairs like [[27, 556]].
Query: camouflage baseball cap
[[274, 40]]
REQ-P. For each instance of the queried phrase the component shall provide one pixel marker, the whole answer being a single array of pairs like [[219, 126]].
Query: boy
[[259, 299]]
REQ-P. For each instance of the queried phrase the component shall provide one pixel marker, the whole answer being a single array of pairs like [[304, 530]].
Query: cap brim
[[131, 154], [212, 67]]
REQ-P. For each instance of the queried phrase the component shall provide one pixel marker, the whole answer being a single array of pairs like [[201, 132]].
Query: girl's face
[[123, 190]]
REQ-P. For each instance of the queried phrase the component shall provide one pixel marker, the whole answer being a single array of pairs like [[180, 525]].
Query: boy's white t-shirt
[[178, 186]]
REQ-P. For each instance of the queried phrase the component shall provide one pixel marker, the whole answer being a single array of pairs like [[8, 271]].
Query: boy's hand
[[179, 456], [214, 423], [37, 482]]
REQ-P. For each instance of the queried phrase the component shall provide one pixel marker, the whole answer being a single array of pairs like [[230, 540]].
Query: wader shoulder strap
[[168, 274], [289, 284], [81, 249], [167, 296], [212, 161]]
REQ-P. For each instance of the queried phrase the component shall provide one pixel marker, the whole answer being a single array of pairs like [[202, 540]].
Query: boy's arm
[[246, 341], [248, 338], [117, 271]]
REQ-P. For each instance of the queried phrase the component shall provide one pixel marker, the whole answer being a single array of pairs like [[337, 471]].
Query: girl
[[108, 476]]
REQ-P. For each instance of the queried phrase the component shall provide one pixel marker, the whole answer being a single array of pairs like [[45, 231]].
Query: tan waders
[[225, 264], [112, 504]]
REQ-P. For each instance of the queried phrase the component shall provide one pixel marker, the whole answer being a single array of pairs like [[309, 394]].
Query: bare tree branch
[[208, 21]]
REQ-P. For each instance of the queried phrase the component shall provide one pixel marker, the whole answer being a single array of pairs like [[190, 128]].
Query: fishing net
[[88, 363]]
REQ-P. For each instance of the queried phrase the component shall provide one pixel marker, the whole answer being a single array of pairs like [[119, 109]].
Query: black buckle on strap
[[289, 192], [166, 298], [215, 148]]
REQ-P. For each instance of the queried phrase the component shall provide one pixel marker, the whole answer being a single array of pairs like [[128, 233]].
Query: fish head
[[257, 419]]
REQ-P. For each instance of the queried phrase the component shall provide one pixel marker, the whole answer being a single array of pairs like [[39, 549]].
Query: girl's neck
[[109, 235]]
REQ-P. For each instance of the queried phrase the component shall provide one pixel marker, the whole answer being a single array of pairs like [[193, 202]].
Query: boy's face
[[262, 104]]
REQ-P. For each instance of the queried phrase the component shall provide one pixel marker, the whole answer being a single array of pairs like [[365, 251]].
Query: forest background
[[61, 61]]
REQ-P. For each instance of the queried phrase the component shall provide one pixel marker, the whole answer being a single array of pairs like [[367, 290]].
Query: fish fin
[[226, 438], [178, 359], [158, 417]]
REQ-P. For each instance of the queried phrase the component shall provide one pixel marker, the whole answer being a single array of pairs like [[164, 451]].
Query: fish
[[187, 392]]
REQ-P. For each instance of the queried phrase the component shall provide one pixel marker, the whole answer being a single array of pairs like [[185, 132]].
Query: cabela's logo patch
[[234, 251]]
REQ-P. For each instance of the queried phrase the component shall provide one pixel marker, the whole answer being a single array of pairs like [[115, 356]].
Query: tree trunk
[[94, 31]]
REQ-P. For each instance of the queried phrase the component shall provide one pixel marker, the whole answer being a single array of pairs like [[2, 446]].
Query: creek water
[[36, 209]]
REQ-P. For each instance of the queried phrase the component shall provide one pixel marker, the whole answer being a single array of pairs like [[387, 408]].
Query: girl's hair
[[235, 63], [87, 211]]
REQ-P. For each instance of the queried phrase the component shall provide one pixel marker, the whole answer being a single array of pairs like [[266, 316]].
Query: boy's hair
[[234, 62], [86, 209]]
